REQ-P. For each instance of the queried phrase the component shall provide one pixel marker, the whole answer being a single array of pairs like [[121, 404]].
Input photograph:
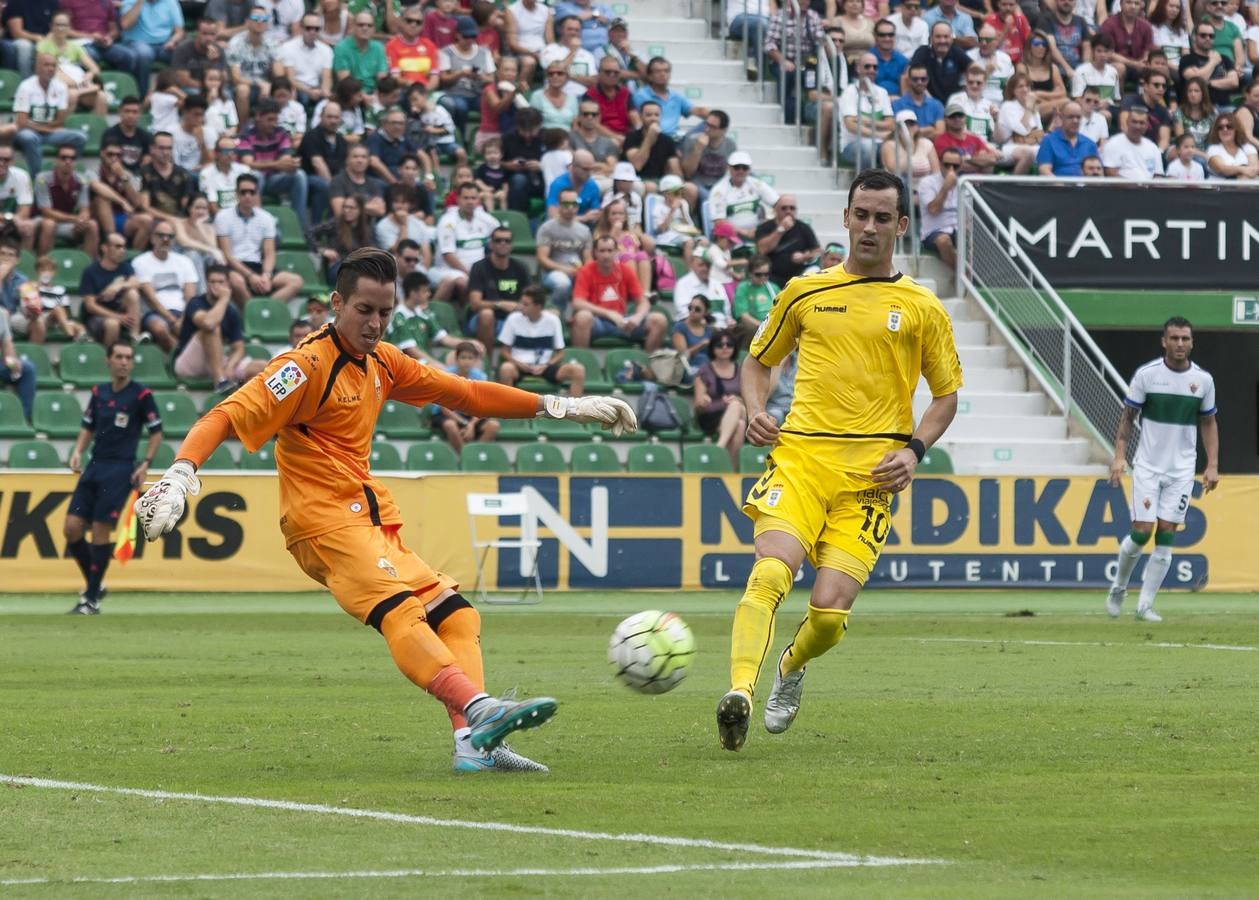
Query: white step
[[716, 84], [796, 178], [1028, 428], [660, 9], [748, 114], [970, 331], [645, 31], [1002, 379], [979, 403], [1014, 455], [981, 356], [774, 148]]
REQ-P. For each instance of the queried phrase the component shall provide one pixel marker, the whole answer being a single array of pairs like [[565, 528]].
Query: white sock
[[462, 734], [475, 700], [1129, 553], [1155, 571]]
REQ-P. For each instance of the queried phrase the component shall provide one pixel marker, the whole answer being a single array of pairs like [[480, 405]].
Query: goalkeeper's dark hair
[[1177, 322], [881, 180], [366, 262]]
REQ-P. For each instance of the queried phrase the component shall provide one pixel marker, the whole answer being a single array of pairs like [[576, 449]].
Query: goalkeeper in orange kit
[[321, 401]]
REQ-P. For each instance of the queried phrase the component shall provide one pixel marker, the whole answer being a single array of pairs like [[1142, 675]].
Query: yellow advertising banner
[[649, 531]]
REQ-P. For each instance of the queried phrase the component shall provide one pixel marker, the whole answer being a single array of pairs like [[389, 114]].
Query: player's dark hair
[[365, 262], [414, 282], [120, 342], [881, 180], [1177, 322]]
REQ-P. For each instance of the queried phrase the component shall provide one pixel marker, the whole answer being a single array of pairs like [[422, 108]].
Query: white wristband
[[558, 407]]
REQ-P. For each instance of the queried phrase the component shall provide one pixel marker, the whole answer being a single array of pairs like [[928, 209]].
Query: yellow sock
[[753, 632], [821, 630]]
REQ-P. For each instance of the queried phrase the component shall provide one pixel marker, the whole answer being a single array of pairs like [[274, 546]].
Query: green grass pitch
[[1022, 744]]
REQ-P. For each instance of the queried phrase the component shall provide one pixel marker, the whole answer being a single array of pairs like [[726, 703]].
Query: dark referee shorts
[[102, 490]]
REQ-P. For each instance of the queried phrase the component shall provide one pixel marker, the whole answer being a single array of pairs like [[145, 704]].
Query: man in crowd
[[268, 150], [111, 294], [1068, 36], [780, 48], [534, 339], [116, 199], [494, 288], [937, 197], [977, 155], [412, 57], [706, 153], [564, 244], [354, 179], [891, 64], [587, 135], [866, 115], [996, 64], [246, 236], [1064, 148], [522, 160], [212, 337], [741, 199], [1152, 96], [133, 139], [218, 180], [604, 290], [577, 178], [197, 55], [928, 111], [166, 187], [40, 107], [66, 206], [789, 243], [652, 152], [152, 29], [946, 63], [568, 53], [1130, 154], [308, 62], [359, 56], [168, 280], [17, 196], [254, 59], [462, 233], [617, 114], [961, 24], [674, 107]]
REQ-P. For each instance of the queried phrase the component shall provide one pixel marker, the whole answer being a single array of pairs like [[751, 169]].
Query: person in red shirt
[[412, 57], [616, 115], [320, 401], [1012, 28], [1133, 37], [440, 25], [601, 296], [977, 156]]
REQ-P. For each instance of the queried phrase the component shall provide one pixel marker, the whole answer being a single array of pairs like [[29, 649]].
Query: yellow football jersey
[[864, 343]]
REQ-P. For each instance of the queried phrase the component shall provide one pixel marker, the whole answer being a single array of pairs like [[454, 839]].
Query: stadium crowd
[[540, 183]]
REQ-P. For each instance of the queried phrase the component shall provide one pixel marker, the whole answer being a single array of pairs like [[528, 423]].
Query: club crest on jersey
[[121, 419], [894, 320], [1193, 389], [1146, 502], [385, 564], [288, 378]]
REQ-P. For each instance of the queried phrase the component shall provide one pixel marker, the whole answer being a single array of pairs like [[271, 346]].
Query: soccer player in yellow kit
[[865, 334], [321, 401]]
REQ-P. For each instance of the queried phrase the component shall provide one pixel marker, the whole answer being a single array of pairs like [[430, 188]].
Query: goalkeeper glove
[[613, 414], [163, 504]]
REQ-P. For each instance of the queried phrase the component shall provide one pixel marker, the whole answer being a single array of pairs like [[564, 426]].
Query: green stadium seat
[[705, 458], [150, 368], [562, 430], [432, 456], [33, 455], [289, 228], [482, 456], [213, 400], [521, 235], [117, 86], [401, 420], [651, 458], [385, 457], [163, 457], [83, 365], [539, 457], [177, 410], [70, 266], [517, 430], [299, 261], [752, 459], [447, 317], [57, 415], [594, 458], [9, 80], [596, 383], [262, 461], [935, 462], [258, 351], [267, 320], [679, 271], [219, 460], [614, 362], [12, 418], [38, 355], [93, 128]]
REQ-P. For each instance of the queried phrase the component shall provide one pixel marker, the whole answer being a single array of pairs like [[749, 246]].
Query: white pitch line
[[1163, 645], [475, 873], [851, 859]]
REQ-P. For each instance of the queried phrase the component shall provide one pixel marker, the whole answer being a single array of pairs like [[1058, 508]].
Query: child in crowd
[[292, 114], [163, 102], [558, 155], [1184, 166], [461, 174], [459, 428], [46, 304], [491, 177]]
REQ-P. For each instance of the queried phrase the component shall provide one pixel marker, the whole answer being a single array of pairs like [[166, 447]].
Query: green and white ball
[[651, 651]]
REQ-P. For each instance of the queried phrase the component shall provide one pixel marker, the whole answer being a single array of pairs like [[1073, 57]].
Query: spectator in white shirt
[[866, 117], [534, 339], [1099, 73], [1184, 166], [937, 198], [911, 29], [308, 62], [996, 63], [40, 107], [1130, 154], [1227, 159]]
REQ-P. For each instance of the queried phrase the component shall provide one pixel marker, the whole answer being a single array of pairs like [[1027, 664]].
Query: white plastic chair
[[495, 505]]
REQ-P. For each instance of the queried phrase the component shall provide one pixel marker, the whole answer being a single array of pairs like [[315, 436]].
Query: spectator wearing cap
[[937, 200], [1130, 154], [577, 178], [674, 107], [568, 53], [740, 198], [359, 56], [587, 135], [789, 243], [977, 156], [616, 113], [652, 152], [866, 116], [667, 216], [927, 110], [465, 68], [595, 18], [946, 62], [706, 153], [908, 149], [627, 188], [891, 62], [833, 254], [618, 48], [1063, 149]]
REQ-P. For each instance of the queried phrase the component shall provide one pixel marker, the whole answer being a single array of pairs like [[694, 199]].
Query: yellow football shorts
[[839, 527]]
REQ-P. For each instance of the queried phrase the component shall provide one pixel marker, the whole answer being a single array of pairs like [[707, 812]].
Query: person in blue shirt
[[892, 63], [152, 30], [926, 109], [962, 23], [116, 412], [594, 17], [673, 106], [578, 179], [1063, 150]]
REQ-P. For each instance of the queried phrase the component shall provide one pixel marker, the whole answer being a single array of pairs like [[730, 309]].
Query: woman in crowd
[[75, 67], [220, 112], [1170, 33], [1196, 115], [1018, 121], [1043, 76], [498, 103], [557, 106], [614, 222], [693, 335], [1228, 159], [907, 148], [341, 236], [718, 397], [858, 28], [196, 237]]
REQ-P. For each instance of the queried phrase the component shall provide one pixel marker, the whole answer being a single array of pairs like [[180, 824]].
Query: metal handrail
[[911, 236]]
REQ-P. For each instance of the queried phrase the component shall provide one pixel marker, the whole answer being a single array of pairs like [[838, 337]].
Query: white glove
[[613, 414], [162, 505]]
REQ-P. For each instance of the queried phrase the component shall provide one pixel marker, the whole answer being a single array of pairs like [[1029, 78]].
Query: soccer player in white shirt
[[1176, 399]]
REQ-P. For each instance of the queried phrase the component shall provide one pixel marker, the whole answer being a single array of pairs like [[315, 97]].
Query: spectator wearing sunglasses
[[927, 110], [693, 334], [753, 299], [937, 199], [412, 57], [891, 62], [308, 61], [718, 399], [789, 243]]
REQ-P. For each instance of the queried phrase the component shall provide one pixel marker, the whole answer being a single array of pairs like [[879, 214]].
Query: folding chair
[[504, 505]]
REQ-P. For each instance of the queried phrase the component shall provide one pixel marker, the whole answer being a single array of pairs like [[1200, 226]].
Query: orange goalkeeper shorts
[[364, 565]]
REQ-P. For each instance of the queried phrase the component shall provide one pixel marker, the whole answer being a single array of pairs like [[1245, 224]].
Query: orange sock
[[459, 627], [417, 652], [454, 689]]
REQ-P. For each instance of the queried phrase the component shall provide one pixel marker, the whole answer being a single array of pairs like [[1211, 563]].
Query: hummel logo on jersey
[[840, 309]]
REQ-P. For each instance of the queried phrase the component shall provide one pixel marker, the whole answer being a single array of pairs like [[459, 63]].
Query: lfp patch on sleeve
[[288, 378]]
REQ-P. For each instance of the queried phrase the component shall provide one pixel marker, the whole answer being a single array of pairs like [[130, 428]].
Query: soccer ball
[[651, 651]]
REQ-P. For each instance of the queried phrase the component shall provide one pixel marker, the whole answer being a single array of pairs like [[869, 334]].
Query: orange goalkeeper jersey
[[322, 403]]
